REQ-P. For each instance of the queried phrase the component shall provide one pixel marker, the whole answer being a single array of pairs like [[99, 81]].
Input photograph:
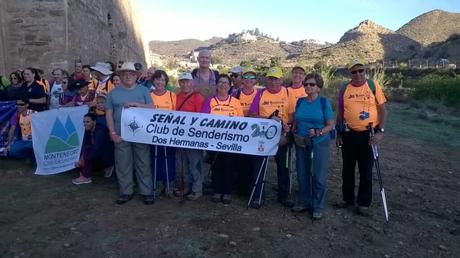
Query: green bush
[[437, 88]]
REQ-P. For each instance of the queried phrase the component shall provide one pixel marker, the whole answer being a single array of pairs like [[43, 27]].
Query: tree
[[275, 61], [257, 32]]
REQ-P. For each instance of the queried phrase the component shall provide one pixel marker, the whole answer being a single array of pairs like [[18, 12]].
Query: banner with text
[[7, 110], [255, 136], [57, 137]]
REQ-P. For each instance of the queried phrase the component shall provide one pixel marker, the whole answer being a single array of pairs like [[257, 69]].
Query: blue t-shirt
[[309, 115]]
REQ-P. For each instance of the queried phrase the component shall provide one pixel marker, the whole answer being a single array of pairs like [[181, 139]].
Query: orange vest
[[246, 101], [167, 101], [24, 124], [229, 107], [270, 102]]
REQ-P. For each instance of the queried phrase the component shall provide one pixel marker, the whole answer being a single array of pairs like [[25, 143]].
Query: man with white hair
[[129, 157], [204, 78]]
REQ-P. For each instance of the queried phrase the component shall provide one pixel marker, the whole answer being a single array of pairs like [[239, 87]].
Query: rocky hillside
[[368, 40], [431, 27], [428, 36], [179, 48]]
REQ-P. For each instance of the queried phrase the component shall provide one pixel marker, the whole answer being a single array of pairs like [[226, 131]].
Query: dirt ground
[[47, 216]]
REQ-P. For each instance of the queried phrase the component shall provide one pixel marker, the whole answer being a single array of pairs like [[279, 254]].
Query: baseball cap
[[275, 72], [237, 69], [355, 61], [249, 69], [298, 66], [185, 76]]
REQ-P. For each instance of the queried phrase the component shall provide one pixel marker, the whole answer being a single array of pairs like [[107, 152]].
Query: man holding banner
[[273, 102], [129, 156], [22, 147]]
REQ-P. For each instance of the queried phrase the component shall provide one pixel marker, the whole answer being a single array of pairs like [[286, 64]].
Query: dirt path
[[50, 217]]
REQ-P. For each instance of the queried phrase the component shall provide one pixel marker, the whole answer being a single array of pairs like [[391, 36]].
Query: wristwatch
[[381, 130]]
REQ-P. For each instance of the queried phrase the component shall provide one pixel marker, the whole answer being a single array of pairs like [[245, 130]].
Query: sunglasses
[[20, 104], [235, 75], [310, 84], [249, 77], [357, 71], [13, 78]]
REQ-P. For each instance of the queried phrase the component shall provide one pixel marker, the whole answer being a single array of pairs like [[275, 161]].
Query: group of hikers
[[307, 120]]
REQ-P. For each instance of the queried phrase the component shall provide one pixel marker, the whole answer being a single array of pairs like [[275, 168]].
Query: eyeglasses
[[64, 82], [310, 84], [13, 78], [249, 76], [357, 71]]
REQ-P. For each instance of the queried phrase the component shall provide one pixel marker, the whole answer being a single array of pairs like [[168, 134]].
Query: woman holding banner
[[223, 104], [163, 158], [191, 159]]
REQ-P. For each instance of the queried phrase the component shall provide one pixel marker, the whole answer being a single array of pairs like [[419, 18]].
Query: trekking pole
[[155, 173], [256, 181], [377, 168], [288, 166], [167, 173], [263, 182], [181, 154], [312, 172]]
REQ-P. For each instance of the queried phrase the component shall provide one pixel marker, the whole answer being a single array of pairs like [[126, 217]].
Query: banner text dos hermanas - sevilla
[[255, 136]]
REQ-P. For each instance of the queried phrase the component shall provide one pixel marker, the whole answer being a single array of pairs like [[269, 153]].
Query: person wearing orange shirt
[[22, 147], [273, 102], [359, 106], [102, 72], [189, 100], [163, 158], [296, 89], [246, 94], [224, 166]]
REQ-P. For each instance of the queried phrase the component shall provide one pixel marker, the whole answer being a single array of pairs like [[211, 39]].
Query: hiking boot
[[124, 198], [343, 205], [299, 209], [193, 196], [81, 180], [288, 203], [217, 197], [227, 198], [108, 172], [317, 215], [363, 211], [256, 205], [149, 199]]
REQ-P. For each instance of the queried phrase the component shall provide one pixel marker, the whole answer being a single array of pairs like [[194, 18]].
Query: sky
[[290, 20]]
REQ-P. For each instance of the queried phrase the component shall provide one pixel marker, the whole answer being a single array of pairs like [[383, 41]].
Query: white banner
[[245, 135], [57, 137]]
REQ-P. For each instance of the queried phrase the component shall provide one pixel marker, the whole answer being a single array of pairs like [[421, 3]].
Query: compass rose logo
[[134, 126]]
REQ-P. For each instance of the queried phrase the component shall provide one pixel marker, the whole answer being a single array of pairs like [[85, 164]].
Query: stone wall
[[56, 33]]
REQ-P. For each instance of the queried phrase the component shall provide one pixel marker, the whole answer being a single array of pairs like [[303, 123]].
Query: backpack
[[343, 87], [216, 74], [322, 101]]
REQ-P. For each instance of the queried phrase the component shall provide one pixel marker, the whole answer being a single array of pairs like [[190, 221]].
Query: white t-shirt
[[55, 93]]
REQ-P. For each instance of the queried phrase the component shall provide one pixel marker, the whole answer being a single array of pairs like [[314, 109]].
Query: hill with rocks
[[432, 35], [368, 40], [432, 27]]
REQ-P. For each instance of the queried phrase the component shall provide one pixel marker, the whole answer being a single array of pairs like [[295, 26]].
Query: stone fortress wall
[[55, 33]]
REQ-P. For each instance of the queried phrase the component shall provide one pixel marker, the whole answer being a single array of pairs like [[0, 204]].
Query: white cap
[[103, 68], [237, 69], [127, 66], [185, 76]]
